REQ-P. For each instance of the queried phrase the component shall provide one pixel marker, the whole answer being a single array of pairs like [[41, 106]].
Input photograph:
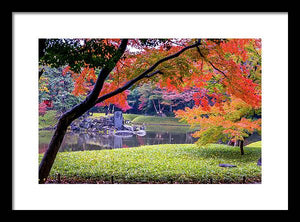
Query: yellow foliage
[[228, 120]]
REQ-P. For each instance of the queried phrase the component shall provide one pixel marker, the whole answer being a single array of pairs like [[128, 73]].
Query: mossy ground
[[168, 163]]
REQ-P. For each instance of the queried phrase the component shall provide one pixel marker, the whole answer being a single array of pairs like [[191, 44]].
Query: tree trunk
[[64, 121], [155, 107], [236, 143], [41, 72], [67, 118], [50, 154], [107, 110], [242, 147], [159, 108], [113, 109]]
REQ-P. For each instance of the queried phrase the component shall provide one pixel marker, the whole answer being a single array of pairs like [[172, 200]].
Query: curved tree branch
[[92, 97], [145, 73], [198, 49]]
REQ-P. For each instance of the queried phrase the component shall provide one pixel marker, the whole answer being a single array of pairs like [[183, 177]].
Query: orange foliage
[[225, 64], [221, 70], [230, 120], [83, 84], [236, 47], [82, 81], [119, 100]]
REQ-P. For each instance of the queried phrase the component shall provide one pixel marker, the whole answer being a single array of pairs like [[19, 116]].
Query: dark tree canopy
[[78, 53]]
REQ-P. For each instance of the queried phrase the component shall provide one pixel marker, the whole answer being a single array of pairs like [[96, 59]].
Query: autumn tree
[[221, 70], [235, 86], [111, 58], [162, 101], [229, 124]]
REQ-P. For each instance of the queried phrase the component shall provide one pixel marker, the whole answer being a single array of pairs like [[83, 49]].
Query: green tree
[[59, 89]]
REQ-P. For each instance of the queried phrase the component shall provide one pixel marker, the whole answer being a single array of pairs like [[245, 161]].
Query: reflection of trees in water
[[43, 147], [252, 138], [96, 141], [133, 141], [117, 142], [141, 140], [90, 141], [153, 138], [189, 138]]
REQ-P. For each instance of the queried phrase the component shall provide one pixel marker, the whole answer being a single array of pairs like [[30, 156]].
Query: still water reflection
[[96, 141]]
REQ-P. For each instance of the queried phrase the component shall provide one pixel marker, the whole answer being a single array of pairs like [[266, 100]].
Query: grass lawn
[[169, 163], [170, 128], [158, 120], [125, 116], [97, 115]]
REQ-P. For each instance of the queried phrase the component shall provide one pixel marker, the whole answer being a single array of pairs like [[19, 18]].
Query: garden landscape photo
[[150, 111]]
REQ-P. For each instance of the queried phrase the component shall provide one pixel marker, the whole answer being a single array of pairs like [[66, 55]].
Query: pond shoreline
[[159, 124], [88, 140], [146, 124]]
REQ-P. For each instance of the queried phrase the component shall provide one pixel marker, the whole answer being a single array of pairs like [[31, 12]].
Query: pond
[[96, 141]]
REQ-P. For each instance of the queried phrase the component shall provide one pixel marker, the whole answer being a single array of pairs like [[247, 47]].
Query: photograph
[[171, 110]]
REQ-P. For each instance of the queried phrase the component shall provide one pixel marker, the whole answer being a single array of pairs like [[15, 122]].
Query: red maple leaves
[[119, 100], [84, 83], [218, 69]]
